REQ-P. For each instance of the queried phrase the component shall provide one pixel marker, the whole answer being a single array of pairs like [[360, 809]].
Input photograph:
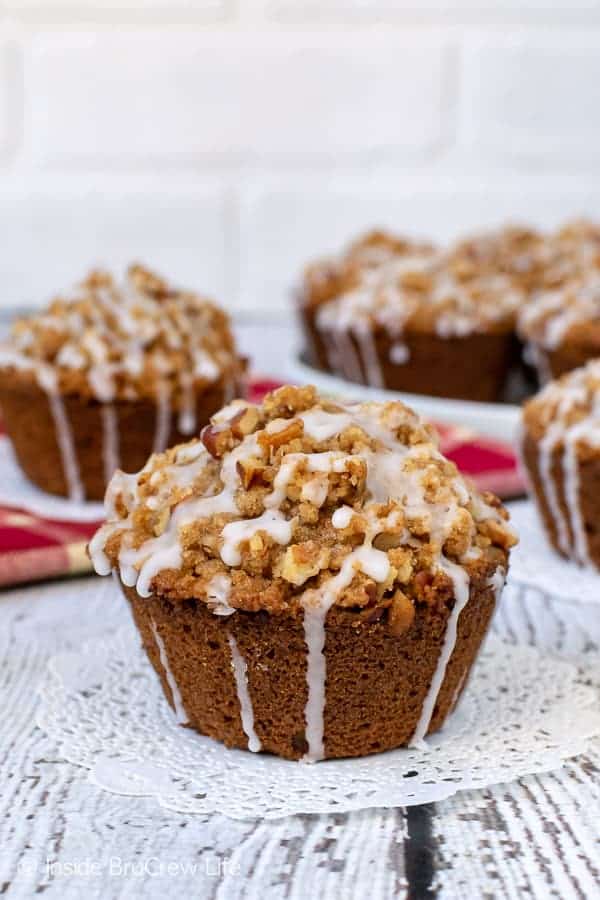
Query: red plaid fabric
[[33, 548]]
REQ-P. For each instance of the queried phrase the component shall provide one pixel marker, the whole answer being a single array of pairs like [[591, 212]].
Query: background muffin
[[309, 579], [561, 327], [412, 319], [561, 452], [109, 374], [487, 318]]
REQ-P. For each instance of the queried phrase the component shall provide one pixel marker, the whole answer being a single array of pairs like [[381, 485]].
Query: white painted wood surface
[[538, 837]]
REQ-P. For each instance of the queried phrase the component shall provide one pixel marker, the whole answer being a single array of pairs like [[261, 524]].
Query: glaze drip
[[240, 673], [180, 713]]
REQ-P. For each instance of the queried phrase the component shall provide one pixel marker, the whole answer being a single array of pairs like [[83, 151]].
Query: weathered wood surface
[[539, 837]]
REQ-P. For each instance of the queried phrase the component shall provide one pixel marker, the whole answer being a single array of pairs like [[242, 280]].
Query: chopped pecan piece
[[251, 471], [216, 439], [244, 422], [294, 429]]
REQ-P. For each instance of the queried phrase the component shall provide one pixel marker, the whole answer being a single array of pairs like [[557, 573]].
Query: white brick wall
[[319, 215], [49, 230], [10, 89], [536, 98], [226, 141], [181, 97]]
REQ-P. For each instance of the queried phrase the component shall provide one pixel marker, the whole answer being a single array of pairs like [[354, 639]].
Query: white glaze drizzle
[[342, 517], [350, 359], [399, 354], [370, 357], [186, 421], [180, 714], [110, 441], [272, 521], [460, 581], [569, 394], [546, 449], [162, 427], [47, 380], [217, 593], [240, 674], [229, 389], [317, 604], [66, 445], [572, 492], [315, 490]]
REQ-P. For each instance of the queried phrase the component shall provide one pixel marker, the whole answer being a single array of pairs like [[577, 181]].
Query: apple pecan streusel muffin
[[561, 327], [309, 579], [110, 373], [561, 452], [412, 319]]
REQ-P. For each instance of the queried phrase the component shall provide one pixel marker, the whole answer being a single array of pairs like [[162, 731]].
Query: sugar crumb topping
[[482, 283], [555, 315], [297, 498], [572, 400], [393, 283], [138, 338]]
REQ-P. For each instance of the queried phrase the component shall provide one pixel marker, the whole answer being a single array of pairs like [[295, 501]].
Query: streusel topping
[[572, 400], [332, 276], [533, 260], [392, 283], [137, 339], [296, 497], [518, 252], [567, 312]]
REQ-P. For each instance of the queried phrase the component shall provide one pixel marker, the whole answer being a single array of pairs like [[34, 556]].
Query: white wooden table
[[59, 835]]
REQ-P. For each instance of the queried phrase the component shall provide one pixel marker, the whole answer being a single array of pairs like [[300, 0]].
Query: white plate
[[495, 420], [17, 492]]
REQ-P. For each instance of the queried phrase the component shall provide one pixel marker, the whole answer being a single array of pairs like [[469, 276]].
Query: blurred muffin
[[412, 319], [561, 327], [516, 251], [108, 375], [309, 579], [561, 453]]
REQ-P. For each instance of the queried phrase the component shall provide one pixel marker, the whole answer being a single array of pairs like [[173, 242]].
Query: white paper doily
[[535, 564], [523, 713], [17, 491]]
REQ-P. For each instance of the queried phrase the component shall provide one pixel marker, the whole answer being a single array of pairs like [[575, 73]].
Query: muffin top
[[567, 313], [132, 340], [282, 503], [393, 283], [571, 403], [533, 260], [516, 251], [575, 252], [327, 278]]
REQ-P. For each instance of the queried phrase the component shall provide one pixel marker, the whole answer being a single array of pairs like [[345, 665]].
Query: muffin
[[309, 579], [560, 450], [520, 253], [561, 327], [110, 374], [411, 319]]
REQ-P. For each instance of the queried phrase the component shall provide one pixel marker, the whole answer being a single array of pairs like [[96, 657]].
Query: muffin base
[[587, 502], [474, 367], [376, 682], [32, 429]]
